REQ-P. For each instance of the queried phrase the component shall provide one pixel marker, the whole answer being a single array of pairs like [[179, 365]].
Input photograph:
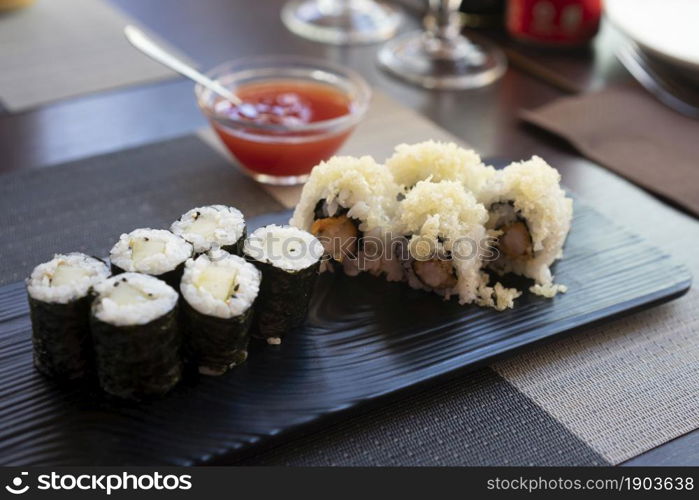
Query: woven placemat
[[475, 420], [602, 396], [631, 384], [622, 388], [55, 49], [84, 205]]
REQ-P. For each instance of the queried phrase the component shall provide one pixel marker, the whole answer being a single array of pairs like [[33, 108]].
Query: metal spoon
[[139, 40]]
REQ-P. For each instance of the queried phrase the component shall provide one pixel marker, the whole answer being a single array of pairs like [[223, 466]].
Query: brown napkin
[[629, 132]]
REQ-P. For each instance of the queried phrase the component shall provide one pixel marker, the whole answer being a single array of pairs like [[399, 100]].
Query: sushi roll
[[530, 216], [438, 161], [347, 203], [156, 252], [59, 304], [219, 290], [289, 259], [212, 227], [136, 337], [445, 244]]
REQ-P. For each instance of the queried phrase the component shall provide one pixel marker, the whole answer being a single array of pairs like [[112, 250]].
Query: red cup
[[553, 22]]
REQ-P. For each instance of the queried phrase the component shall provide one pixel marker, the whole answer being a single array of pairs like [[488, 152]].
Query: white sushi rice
[[361, 185], [438, 161], [444, 215], [132, 299], [285, 247], [150, 251], [441, 193], [498, 297], [66, 277], [220, 284], [533, 188], [210, 227]]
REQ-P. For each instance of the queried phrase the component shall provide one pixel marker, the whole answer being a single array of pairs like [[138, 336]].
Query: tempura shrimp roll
[[438, 161], [446, 244], [530, 216], [347, 203]]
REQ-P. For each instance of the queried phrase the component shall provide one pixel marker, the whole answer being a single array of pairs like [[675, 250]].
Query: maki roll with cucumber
[[156, 252], [289, 259], [136, 337], [219, 290], [212, 227], [59, 304]]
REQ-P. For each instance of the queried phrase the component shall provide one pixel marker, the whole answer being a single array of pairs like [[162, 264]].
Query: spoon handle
[[139, 40]]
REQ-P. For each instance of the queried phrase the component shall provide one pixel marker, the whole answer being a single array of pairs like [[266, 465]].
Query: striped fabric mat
[[600, 396]]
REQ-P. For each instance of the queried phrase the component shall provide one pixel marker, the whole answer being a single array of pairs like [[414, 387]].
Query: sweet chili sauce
[[283, 102]]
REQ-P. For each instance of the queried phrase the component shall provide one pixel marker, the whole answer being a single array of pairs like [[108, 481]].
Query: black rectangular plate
[[364, 339]]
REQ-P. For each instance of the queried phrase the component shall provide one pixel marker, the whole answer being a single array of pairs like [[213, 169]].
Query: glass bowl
[[283, 153]]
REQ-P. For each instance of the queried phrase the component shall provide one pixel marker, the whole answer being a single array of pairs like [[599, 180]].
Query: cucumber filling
[[125, 294], [219, 281], [204, 226], [68, 273], [143, 248]]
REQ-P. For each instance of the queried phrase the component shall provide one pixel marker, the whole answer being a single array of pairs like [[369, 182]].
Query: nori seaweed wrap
[[136, 336], [289, 259], [218, 292], [155, 252], [59, 304], [213, 227]]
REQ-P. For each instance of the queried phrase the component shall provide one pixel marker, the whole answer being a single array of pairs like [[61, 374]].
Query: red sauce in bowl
[[280, 152]]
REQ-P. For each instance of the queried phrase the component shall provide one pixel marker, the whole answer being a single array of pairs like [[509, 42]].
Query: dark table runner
[[85, 205]]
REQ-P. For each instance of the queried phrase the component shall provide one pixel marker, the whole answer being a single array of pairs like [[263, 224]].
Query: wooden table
[[211, 31]]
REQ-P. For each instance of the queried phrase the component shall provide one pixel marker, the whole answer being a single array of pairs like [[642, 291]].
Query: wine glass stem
[[443, 21]]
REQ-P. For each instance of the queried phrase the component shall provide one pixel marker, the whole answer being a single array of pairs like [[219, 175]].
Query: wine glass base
[[347, 23], [471, 63]]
